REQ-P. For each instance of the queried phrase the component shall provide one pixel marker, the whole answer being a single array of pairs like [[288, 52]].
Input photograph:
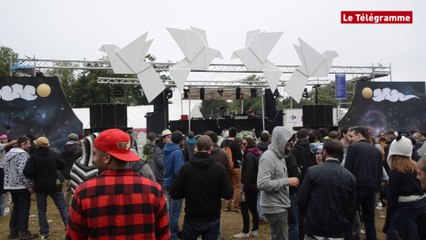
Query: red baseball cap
[[117, 144]]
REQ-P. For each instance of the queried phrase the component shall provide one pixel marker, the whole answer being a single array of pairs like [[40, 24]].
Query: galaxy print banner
[[37, 106], [384, 106]]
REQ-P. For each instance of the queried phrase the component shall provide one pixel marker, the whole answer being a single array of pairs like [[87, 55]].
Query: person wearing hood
[[406, 199], [20, 188], [173, 162], [249, 169], [70, 153], [203, 182], [273, 181]]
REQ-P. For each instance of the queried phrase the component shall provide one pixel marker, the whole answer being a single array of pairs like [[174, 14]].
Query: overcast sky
[[76, 29]]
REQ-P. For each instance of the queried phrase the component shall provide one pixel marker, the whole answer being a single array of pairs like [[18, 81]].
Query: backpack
[[230, 159], [137, 166]]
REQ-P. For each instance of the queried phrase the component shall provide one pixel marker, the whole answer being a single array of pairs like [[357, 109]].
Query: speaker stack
[[316, 116], [105, 115]]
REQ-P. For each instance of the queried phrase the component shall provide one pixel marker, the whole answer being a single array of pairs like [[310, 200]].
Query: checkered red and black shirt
[[118, 204]]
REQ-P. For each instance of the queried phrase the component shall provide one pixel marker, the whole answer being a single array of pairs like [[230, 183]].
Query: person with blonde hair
[[406, 197]]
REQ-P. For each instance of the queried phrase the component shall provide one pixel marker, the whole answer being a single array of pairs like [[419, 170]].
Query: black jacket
[[71, 152], [202, 182], [365, 161], [303, 155], [327, 196], [249, 169], [293, 170], [236, 151], [263, 146], [421, 225], [42, 168]]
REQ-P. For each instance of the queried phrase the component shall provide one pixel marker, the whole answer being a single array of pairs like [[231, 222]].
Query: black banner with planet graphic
[[37, 106], [384, 106]]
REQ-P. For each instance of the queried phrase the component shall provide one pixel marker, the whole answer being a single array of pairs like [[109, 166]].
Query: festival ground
[[231, 223]]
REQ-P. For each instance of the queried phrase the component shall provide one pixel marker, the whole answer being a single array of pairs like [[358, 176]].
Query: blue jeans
[[174, 208], [293, 218], [18, 223], [207, 230], [366, 198], [59, 200]]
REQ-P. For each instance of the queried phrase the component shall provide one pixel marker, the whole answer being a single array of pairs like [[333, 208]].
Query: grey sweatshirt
[[272, 178]]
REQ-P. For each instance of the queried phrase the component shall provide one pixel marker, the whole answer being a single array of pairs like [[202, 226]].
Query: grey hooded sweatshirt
[[272, 178]]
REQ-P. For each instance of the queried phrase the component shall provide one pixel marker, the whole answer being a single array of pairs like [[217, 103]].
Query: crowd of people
[[306, 184]]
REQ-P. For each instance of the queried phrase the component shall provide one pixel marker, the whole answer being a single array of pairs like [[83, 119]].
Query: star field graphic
[[37, 106], [384, 106]]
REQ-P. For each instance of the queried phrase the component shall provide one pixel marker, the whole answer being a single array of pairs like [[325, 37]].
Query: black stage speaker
[[317, 115], [105, 115], [155, 121]]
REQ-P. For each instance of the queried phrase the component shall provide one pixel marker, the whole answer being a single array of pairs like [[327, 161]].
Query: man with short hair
[[173, 162], [20, 188], [301, 151], [264, 141], [234, 174], [202, 182], [218, 153], [328, 190], [364, 160], [119, 203], [44, 168]]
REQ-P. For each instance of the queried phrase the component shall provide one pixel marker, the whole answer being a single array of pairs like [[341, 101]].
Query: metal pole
[[34, 66], [263, 109], [10, 65], [109, 93], [189, 113]]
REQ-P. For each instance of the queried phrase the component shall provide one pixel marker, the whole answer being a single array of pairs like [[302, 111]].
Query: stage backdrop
[[384, 106], [37, 106]]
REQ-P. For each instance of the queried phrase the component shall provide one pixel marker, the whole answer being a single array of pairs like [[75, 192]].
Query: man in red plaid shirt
[[119, 203]]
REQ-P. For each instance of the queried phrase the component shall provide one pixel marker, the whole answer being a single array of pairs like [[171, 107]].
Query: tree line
[[76, 84]]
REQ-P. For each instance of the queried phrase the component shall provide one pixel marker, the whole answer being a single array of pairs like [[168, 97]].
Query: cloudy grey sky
[[76, 29]]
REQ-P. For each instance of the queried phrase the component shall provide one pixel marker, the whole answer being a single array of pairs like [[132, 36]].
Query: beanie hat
[[401, 146], [73, 137], [316, 147], [42, 142], [117, 144]]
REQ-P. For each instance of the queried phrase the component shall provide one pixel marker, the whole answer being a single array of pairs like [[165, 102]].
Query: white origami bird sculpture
[[131, 60], [254, 56], [314, 64], [198, 55]]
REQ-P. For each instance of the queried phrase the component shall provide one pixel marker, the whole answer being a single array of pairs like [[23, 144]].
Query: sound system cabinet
[[105, 115], [317, 116]]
